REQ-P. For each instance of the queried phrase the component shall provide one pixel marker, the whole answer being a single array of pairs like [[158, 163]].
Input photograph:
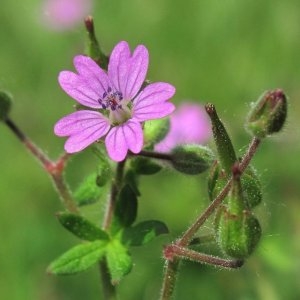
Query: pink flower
[[65, 14], [117, 103], [189, 124]]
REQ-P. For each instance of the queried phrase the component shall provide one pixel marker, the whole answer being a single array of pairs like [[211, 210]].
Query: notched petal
[[91, 73], [78, 121], [118, 65], [77, 88], [152, 102], [137, 71], [83, 128], [120, 139]]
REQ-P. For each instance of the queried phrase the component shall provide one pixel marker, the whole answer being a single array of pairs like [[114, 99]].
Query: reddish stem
[[53, 168]]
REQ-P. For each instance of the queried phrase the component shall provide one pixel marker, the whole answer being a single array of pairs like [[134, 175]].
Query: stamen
[[111, 99]]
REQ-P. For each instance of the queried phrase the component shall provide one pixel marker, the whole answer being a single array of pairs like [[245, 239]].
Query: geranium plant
[[133, 128]]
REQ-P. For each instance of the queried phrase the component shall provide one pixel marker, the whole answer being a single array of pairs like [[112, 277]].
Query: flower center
[[111, 100], [119, 111]]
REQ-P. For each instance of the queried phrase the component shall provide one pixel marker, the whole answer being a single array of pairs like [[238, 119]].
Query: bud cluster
[[237, 229]]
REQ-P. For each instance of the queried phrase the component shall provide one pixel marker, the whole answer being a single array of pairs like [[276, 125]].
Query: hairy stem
[[170, 270], [186, 253], [156, 155], [188, 235], [64, 192], [53, 168], [114, 191], [109, 290]]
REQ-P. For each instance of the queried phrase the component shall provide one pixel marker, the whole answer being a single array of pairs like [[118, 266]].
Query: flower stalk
[[109, 290], [54, 169]]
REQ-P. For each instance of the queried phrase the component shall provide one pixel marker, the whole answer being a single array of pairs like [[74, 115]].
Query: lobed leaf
[[144, 232], [131, 178], [126, 208], [145, 166], [81, 227], [118, 260], [88, 191], [78, 258]]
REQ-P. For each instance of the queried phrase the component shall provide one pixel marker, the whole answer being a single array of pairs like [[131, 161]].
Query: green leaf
[[145, 166], [81, 227], [131, 178], [144, 232], [78, 258], [88, 192], [118, 260], [126, 208], [104, 171]]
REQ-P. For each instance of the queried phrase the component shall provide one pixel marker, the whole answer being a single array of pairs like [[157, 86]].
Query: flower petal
[[84, 127], [137, 72], [120, 139], [152, 103], [78, 121], [118, 65], [155, 112], [77, 88], [93, 75]]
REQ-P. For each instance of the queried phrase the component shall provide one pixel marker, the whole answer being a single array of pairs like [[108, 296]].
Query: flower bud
[[237, 235], [5, 105], [249, 180], [225, 149], [191, 159], [268, 114], [252, 187], [216, 180], [92, 47], [156, 130], [237, 229]]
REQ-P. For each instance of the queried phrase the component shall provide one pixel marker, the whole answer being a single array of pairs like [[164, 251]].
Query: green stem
[[109, 290], [156, 155], [53, 168], [114, 191]]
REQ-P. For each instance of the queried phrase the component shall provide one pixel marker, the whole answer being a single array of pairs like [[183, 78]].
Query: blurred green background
[[224, 51]]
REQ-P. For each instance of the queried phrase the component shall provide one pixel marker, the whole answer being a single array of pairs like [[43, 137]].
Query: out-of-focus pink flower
[[189, 124], [65, 14], [116, 103]]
